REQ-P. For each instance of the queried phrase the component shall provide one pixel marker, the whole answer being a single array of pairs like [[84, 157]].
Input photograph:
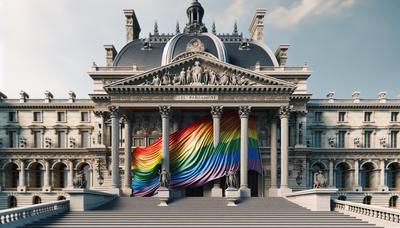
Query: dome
[[203, 42]]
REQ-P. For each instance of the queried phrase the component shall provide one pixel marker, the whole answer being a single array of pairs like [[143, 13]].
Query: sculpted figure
[[231, 179], [234, 80], [79, 180], [224, 80], [176, 80], [206, 76], [188, 75], [213, 78], [319, 180], [156, 81], [197, 72], [243, 81], [166, 80], [164, 178], [182, 77]]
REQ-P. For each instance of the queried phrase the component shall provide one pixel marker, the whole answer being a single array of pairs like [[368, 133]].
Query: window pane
[[12, 117], [12, 139], [393, 139], [37, 139], [394, 116], [61, 139], [61, 116], [37, 116], [84, 116], [85, 139]]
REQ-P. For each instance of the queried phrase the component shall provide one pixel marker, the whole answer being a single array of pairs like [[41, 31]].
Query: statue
[[156, 81], [166, 80], [197, 72], [176, 80], [234, 80], [231, 181], [205, 76], [319, 180], [182, 77], [188, 76], [164, 178], [213, 78], [80, 180], [224, 80], [243, 81]]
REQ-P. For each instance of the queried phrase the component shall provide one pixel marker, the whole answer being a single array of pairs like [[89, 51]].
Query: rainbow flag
[[193, 159]]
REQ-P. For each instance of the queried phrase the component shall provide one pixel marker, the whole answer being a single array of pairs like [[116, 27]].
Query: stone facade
[[45, 142]]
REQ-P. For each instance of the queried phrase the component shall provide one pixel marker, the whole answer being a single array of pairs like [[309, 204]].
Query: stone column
[[114, 110], [165, 112], [46, 178], [273, 190], [22, 184], [244, 112], [356, 184], [216, 112], [382, 186], [331, 173], [284, 115], [128, 156], [70, 181]]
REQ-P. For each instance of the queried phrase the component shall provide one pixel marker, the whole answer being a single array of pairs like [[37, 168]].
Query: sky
[[350, 45]]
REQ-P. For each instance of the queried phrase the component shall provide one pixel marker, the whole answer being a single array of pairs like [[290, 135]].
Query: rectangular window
[[37, 139], [12, 139], [393, 116], [317, 139], [85, 139], [317, 117], [61, 116], [84, 116], [37, 116], [152, 140], [367, 116], [367, 139], [12, 116], [342, 116], [61, 139], [341, 139], [139, 142], [393, 139]]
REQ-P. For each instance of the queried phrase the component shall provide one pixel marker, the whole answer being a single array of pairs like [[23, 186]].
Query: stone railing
[[380, 216], [25, 215], [317, 199]]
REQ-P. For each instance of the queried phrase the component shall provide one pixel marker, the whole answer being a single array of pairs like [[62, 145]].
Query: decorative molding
[[165, 111], [216, 111], [285, 110], [114, 111], [244, 111]]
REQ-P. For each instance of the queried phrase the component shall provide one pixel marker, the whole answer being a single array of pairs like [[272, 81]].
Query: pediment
[[199, 70]]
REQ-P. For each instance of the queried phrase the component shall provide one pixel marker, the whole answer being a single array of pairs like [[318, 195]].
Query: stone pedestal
[[216, 191], [245, 192], [85, 199], [115, 191], [163, 195], [232, 195], [273, 192], [282, 192], [318, 199]]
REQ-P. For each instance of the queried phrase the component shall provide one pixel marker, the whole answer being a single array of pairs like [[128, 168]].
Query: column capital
[[216, 111], [104, 114], [244, 111], [284, 111], [114, 110], [165, 111]]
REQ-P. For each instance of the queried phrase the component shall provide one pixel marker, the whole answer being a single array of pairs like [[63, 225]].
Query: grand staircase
[[201, 212]]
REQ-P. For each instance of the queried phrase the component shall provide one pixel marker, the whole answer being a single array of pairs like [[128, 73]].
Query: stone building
[[157, 85]]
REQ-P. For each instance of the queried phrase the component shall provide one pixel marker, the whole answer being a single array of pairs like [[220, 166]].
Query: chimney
[[281, 54], [110, 54], [331, 97], [257, 26], [72, 97], [23, 96], [48, 96], [132, 25], [356, 97], [382, 97], [2, 97]]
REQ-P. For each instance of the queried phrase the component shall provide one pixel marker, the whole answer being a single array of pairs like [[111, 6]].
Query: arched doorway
[[367, 200], [12, 201], [11, 176], [343, 176], [84, 168], [393, 176], [36, 200], [369, 176], [35, 176], [59, 175]]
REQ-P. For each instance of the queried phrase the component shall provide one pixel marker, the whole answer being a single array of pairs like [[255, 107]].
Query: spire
[[156, 28], [214, 29], [195, 14], [178, 29], [235, 28]]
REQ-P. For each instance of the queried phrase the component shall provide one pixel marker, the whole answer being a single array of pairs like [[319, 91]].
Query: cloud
[[286, 17]]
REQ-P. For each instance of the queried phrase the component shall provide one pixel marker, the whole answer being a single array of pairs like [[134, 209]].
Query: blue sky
[[350, 45]]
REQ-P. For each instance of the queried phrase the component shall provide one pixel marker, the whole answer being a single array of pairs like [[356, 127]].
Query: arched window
[[61, 198], [369, 176], [343, 177], [11, 175], [393, 201], [12, 202], [36, 200], [36, 175], [367, 200], [343, 198], [60, 175], [393, 176]]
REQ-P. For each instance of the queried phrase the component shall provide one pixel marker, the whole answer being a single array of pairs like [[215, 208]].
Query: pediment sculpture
[[197, 75]]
